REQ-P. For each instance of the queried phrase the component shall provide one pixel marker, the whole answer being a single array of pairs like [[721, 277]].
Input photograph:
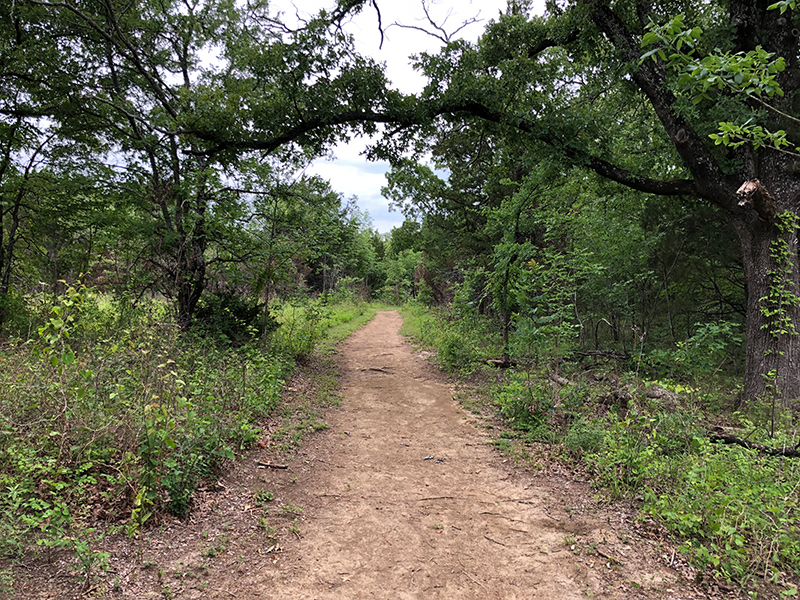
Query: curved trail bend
[[403, 498]]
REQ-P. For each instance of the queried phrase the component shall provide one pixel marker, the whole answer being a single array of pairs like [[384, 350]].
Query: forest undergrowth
[[644, 433], [110, 418]]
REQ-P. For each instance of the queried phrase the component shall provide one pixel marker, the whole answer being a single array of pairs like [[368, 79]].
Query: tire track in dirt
[[403, 498]]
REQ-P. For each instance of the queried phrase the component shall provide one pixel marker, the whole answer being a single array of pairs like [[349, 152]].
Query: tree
[[572, 85]]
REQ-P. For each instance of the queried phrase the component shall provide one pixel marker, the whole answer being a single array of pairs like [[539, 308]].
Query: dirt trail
[[403, 498]]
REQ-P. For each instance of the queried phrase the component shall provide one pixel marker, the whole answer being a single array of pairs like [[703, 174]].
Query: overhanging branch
[[661, 187], [403, 119]]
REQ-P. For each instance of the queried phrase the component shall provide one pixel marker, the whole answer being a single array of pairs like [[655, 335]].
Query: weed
[[295, 528], [269, 530], [503, 445], [262, 497], [97, 409], [218, 547], [7, 583], [291, 509]]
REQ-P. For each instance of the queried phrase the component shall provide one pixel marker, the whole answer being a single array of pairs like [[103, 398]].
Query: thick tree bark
[[773, 315]]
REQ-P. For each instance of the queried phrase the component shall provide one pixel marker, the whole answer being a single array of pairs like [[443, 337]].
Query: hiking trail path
[[402, 497]]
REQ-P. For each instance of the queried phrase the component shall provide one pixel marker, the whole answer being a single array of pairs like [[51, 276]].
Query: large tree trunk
[[769, 253], [191, 274]]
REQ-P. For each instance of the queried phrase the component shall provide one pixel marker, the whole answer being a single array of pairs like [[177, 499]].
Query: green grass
[[344, 320]]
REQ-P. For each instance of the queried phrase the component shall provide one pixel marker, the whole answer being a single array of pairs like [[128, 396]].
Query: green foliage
[[782, 297], [735, 512], [701, 355], [463, 341], [300, 327], [456, 353], [97, 421], [126, 421], [525, 401], [753, 74], [228, 314], [14, 315], [400, 268]]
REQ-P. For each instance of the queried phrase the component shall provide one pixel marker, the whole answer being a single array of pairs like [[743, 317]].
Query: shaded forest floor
[[401, 497]]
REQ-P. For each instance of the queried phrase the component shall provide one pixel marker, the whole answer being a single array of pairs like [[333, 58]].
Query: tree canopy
[[178, 123]]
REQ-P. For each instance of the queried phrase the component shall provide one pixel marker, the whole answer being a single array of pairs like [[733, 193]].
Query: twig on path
[[266, 465], [464, 571], [495, 541], [437, 498], [608, 557], [498, 515]]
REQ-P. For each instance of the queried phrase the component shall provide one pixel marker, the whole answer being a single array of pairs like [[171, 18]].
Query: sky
[[349, 172]]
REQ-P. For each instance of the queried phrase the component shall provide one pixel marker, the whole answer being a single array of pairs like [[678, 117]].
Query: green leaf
[[649, 39]]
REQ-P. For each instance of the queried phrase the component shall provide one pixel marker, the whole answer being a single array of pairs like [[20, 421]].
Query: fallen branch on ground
[[559, 380], [732, 439]]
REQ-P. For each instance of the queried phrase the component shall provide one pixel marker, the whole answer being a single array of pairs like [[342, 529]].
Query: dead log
[[562, 381], [501, 363], [723, 438]]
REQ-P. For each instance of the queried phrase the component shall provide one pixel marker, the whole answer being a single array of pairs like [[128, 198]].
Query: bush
[[301, 324], [227, 314], [455, 353], [736, 511], [15, 317], [126, 421], [585, 436], [526, 403]]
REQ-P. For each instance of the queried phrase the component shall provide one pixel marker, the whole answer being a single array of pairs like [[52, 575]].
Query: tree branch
[[602, 167], [438, 32], [650, 77], [669, 187], [732, 439]]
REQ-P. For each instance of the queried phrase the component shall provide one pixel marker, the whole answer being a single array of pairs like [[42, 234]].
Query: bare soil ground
[[402, 497]]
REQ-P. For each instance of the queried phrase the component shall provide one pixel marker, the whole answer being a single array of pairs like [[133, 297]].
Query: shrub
[[237, 319]]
